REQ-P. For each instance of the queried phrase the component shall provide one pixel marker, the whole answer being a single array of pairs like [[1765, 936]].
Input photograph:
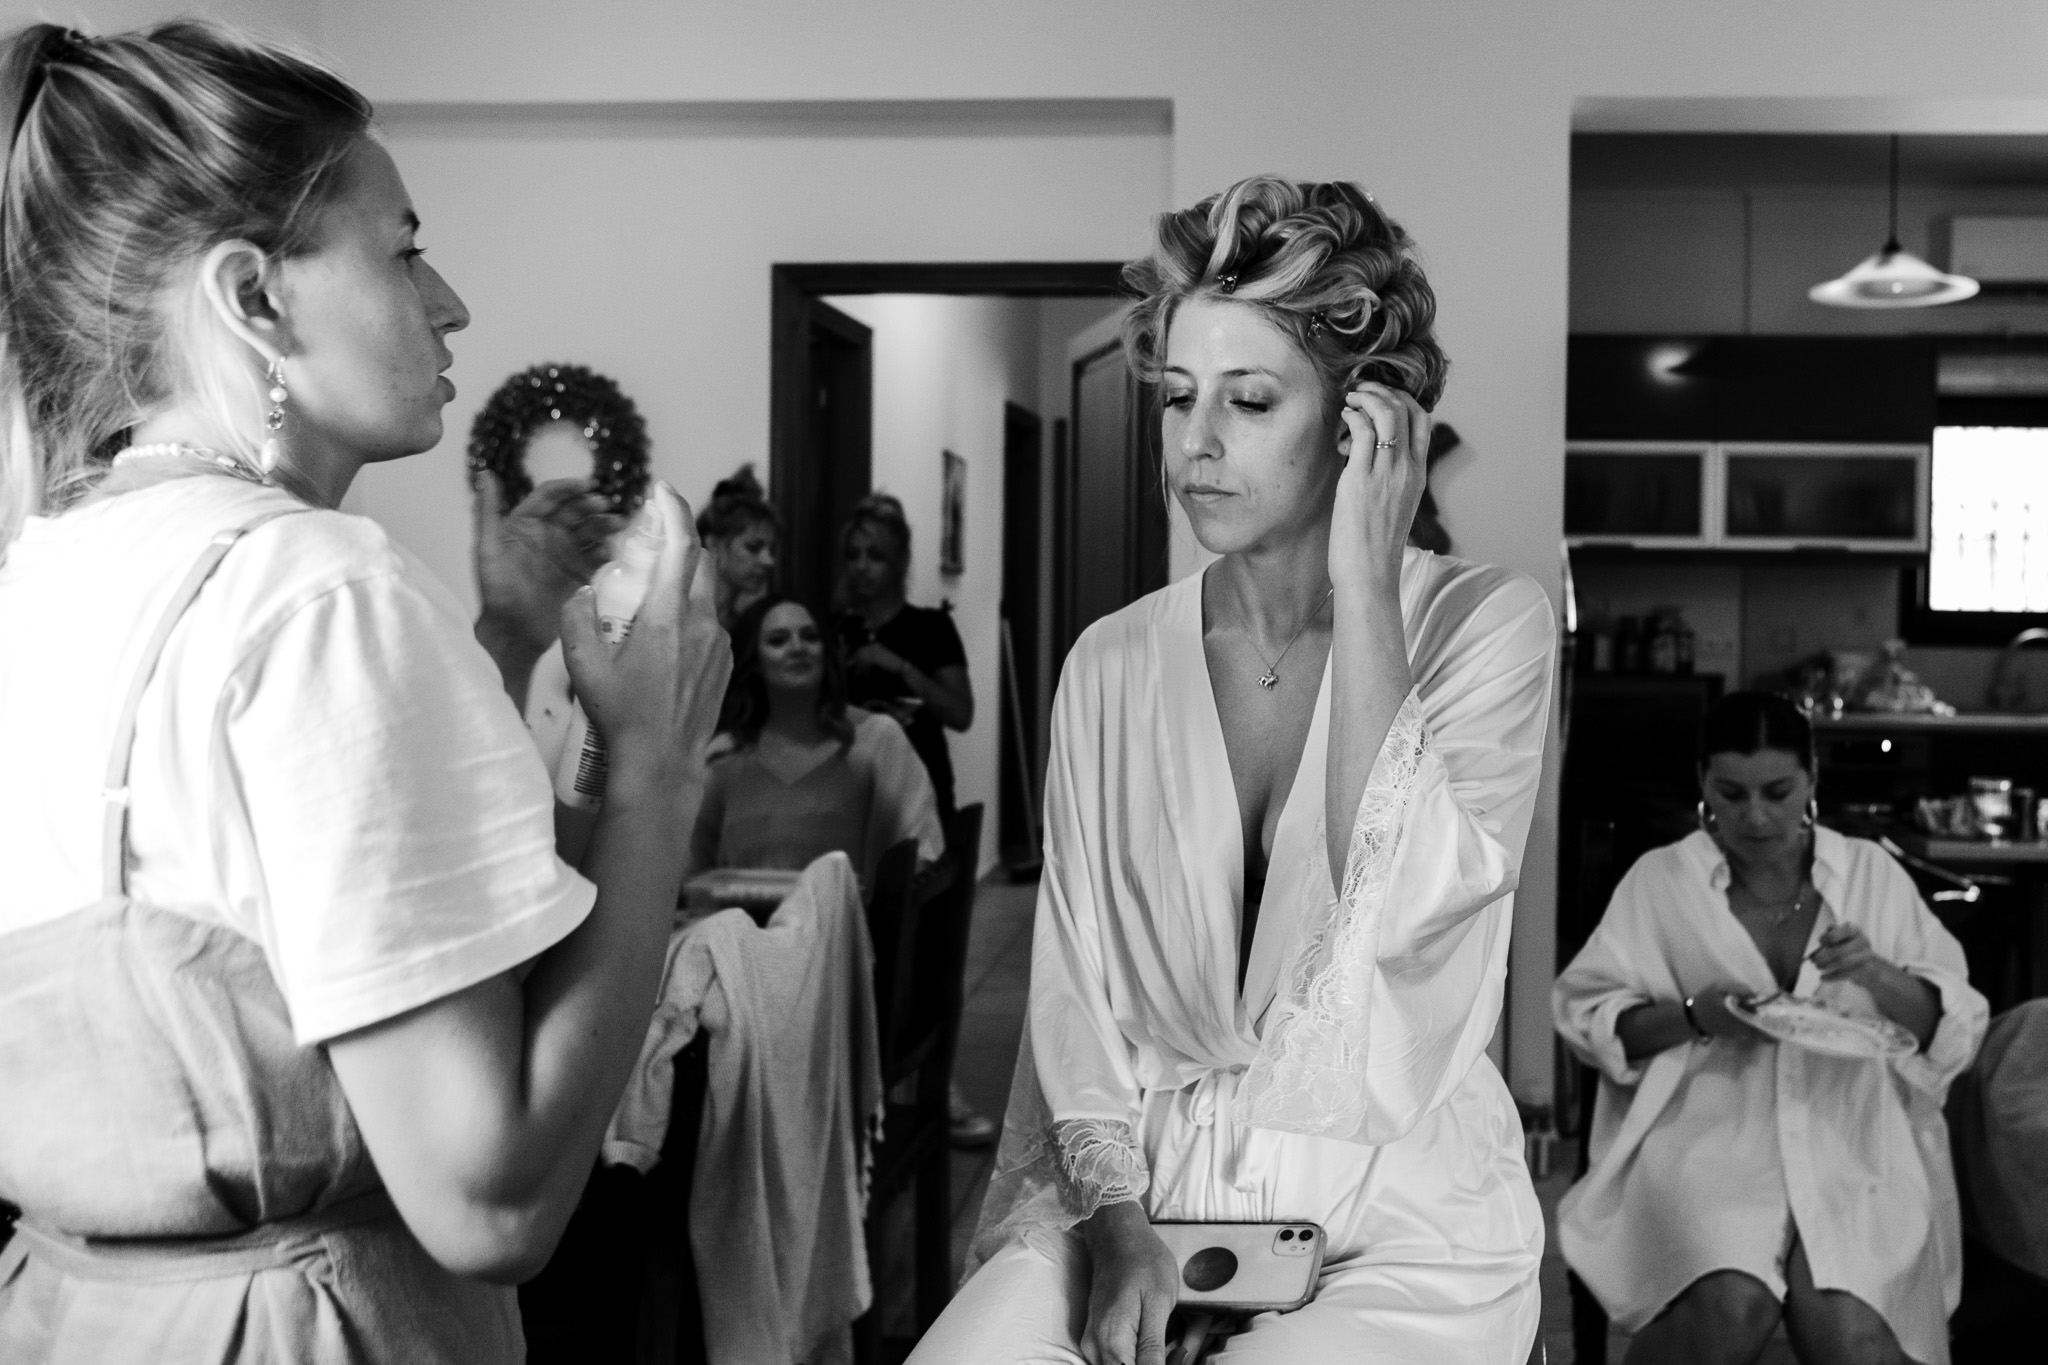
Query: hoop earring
[[273, 421], [1709, 821], [1812, 816]]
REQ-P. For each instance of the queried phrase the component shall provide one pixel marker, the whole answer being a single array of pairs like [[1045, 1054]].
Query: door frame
[[792, 287]]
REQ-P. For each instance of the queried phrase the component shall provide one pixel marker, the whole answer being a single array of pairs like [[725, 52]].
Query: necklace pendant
[[1269, 680]]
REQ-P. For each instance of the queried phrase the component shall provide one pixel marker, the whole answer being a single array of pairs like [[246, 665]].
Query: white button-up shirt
[[1709, 1155]]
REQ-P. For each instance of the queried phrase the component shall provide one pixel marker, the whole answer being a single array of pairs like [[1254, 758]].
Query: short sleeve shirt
[[325, 762]]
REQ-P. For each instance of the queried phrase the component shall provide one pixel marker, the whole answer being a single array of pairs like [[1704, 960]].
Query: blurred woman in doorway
[[903, 660], [742, 534], [1737, 1181]]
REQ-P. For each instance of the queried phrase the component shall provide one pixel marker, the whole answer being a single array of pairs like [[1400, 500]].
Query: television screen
[[1988, 547]]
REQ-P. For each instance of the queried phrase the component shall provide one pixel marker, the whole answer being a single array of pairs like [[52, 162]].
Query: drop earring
[[273, 421]]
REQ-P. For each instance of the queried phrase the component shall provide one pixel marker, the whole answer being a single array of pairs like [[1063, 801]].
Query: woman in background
[[904, 660], [1736, 1180], [795, 772], [306, 1033], [741, 533]]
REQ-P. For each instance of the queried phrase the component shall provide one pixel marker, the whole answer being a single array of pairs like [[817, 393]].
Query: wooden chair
[[621, 1288], [920, 959]]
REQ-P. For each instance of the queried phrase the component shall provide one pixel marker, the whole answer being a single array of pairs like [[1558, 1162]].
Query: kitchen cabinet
[[1624, 388], [1746, 496], [1823, 388], [1750, 388]]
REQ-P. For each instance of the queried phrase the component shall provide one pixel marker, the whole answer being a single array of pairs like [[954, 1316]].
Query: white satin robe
[[1705, 1155], [1349, 1084]]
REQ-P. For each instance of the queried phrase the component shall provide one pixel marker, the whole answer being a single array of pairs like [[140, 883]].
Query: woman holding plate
[[1776, 1017]]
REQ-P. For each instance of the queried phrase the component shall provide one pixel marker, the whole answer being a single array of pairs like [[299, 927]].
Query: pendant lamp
[[1894, 277]]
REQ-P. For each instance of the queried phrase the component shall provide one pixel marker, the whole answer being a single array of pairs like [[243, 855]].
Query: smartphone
[[1245, 1267]]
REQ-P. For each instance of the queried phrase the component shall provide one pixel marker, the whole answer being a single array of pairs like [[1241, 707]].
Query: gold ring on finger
[[1383, 445]]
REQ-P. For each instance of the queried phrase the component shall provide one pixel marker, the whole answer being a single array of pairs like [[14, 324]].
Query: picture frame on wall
[[953, 515]]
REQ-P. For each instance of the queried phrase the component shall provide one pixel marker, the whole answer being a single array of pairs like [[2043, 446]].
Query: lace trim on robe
[[1309, 1075], [1099, 1163], [1050, 1176]]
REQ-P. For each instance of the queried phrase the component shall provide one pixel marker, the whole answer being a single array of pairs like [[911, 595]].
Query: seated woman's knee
[[1730, 1309]]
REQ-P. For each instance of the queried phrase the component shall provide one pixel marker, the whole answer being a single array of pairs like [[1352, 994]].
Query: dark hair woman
[[1737, 1180], [305, 1030], [742, 533], [903, 660], [796, 773]]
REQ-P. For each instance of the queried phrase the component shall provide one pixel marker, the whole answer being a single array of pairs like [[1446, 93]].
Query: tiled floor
[[998, 974]]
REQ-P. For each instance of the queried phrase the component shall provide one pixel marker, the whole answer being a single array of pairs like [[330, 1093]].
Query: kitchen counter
[[1978, 852], [1969, 722]]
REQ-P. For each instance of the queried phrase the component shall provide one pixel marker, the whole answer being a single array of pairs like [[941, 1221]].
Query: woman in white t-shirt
[[307, 1036]]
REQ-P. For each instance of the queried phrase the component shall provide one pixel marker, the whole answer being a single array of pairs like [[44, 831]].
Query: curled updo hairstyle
[[1750, 722], [1319, 260], [128, 158], [881, 512], [745, 709], [738, 504]]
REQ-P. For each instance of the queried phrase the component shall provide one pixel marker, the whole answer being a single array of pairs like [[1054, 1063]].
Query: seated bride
[[1285, 811]]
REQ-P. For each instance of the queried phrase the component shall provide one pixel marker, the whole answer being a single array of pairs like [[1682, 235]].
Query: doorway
[[850, 340]]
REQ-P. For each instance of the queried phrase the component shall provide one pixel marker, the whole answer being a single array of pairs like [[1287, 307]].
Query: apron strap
[[114, 843]]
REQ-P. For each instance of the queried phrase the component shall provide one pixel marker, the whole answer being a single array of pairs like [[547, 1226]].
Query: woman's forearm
[[513, 653], [484, 1110], [954, 706], [1653, 1027], [1912, 1003], [589, 998], [1369, 679]]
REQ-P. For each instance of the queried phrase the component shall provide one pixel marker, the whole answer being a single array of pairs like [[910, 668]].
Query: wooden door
[[824, 465], [1114, 537], [1020, 767]]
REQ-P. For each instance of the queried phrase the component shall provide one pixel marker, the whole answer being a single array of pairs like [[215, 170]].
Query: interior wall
[[640, 245], [1457, 114], [943, 369], [1734, 259]]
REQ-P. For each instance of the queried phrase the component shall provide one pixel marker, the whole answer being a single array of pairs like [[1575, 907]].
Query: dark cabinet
[[1823, 388], [1748, 388], [1627, 388]]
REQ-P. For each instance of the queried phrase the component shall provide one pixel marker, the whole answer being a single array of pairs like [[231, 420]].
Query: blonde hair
[[1320, 260], [128, 158]]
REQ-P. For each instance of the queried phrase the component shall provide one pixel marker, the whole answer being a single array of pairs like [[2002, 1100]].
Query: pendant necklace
[[1271, 677]]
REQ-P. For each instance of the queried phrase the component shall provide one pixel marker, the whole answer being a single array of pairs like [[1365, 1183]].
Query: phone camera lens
[[1306, 1234], [1287, 1234]]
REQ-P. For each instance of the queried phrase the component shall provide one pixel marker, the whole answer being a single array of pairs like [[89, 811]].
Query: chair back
[[936, 921], [892, 931]]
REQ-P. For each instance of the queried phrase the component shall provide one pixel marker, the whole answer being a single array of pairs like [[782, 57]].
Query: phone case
[[1246, 1267]]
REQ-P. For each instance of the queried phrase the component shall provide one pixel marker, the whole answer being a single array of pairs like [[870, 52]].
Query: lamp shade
[[1893, 278]]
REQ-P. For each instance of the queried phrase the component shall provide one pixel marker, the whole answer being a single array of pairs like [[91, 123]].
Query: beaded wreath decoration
[[534, 397]]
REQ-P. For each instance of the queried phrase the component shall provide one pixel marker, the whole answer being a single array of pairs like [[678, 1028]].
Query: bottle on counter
[[1688, 649], [1628, 645], [620, 587], [1661, 649], [1602, 649]]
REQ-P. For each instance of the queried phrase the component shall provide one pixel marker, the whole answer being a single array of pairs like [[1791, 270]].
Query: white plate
[[1818, 1027]]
